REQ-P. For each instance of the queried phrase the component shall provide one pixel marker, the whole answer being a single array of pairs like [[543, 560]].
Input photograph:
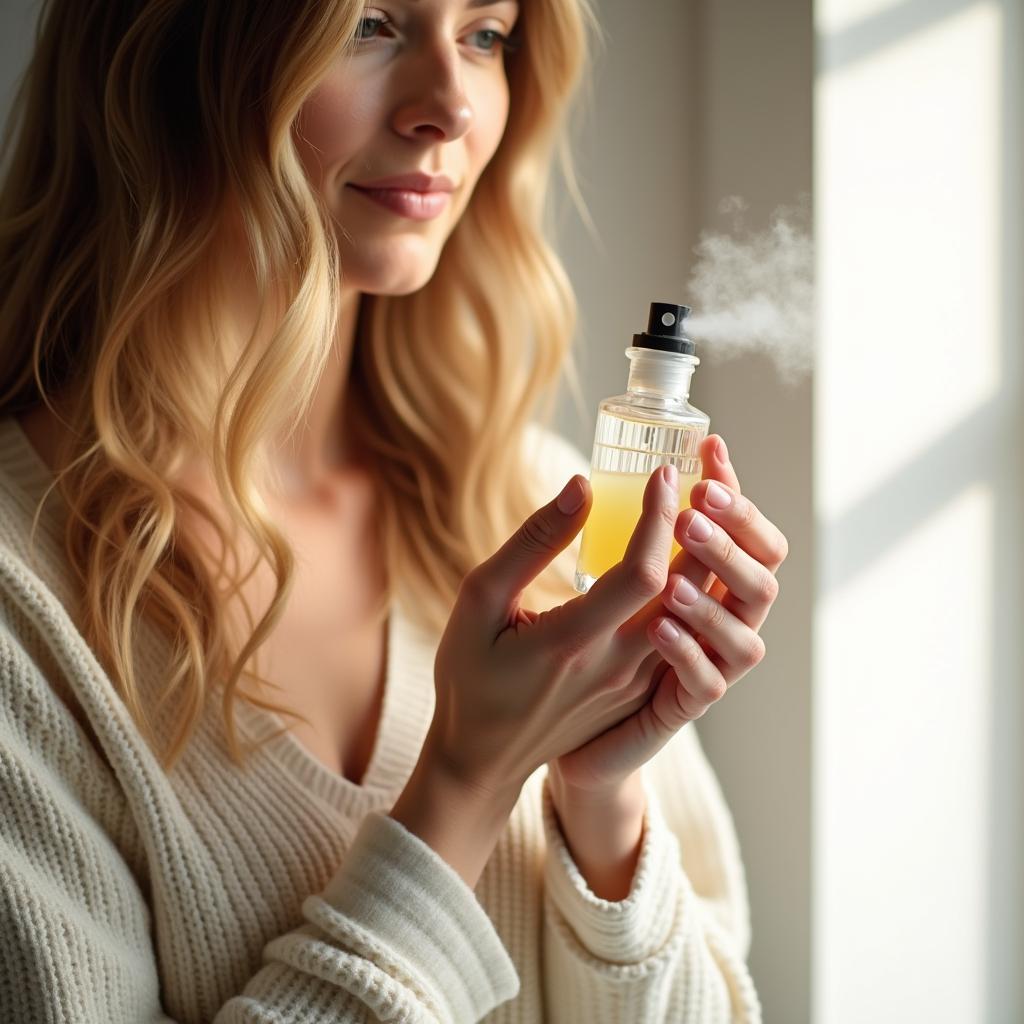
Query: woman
[[281, 739]]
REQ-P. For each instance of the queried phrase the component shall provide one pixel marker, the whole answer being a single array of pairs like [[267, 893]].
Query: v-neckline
[[406, 712], [408, 698], [372, 778]]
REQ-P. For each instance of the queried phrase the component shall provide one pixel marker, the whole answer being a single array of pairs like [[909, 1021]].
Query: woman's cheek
[[489, 129]]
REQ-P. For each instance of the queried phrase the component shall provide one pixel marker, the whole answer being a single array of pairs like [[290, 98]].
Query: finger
[[623, 747], [494, 586], [738, 647], [687, 564], [631, 636], [638, 579], [630, 743], [699, 679], [752, 586], [742, 519], [716, 464]]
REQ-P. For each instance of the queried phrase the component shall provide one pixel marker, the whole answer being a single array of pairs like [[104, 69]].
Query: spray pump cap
[[665, 329]]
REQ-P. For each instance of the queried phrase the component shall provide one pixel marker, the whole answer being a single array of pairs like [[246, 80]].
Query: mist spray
[[651, 424]]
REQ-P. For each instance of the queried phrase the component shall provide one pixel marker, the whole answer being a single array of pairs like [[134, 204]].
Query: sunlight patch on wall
[[908, 222], [901, 781]]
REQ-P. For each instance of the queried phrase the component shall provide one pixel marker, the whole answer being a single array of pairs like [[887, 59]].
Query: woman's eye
[[487, 38], [369, 26]]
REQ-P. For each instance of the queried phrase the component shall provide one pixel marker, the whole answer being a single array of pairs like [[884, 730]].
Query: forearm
[[460, 821], [603, 831]]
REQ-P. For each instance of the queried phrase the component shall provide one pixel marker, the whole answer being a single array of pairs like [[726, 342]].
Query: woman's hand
[[517, 688], [720, 589]]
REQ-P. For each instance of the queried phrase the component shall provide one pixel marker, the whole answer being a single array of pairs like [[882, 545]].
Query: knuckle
[[645, 579], [754, 651], [475, 587], [663, 724], [536, 535], [715, 690], [715, 615], [728, 552], [689, 706], [669, 513], [747, 513], [767, 588], [690, 653]]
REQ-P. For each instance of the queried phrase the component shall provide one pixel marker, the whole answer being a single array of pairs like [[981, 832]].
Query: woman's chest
[[325, 657], [331, 671], [328, 652]]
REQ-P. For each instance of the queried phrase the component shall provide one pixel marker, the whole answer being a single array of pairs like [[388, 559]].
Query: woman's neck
[[318, 450]]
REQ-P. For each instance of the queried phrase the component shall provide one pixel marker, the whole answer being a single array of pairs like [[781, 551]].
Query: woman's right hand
[[516, 688]]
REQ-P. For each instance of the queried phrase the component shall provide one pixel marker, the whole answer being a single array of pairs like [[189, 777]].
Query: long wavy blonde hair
[[136, 124]]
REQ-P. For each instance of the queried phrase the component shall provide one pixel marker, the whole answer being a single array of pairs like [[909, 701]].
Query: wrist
[[460, 818], [619, 797], [603, 831]]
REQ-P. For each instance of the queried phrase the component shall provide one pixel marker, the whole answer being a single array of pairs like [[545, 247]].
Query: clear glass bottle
[[651, 424]]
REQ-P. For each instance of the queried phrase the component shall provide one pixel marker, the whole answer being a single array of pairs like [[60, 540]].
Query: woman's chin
[[400, 267], [396, 283]]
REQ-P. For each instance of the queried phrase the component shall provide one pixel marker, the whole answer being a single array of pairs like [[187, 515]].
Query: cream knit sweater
[[286, 893]]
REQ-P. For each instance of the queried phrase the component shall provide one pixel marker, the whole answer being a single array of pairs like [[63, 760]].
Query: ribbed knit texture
[[284, 892]]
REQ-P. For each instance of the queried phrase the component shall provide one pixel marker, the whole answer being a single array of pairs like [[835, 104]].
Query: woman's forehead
[[469, 4]]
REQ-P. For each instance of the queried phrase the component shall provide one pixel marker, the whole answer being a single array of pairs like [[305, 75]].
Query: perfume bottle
[[651, 424]]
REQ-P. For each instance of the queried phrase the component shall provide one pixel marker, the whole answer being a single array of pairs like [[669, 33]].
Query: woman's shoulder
[[36, 644]]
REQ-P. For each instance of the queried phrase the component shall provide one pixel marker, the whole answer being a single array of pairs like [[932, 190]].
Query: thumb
[[531, 549]]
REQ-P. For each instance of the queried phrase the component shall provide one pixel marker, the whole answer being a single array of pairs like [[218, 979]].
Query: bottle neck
[[661, 374]]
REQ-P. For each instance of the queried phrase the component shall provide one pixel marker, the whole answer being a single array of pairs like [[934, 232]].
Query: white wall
[[753, 99], [878, 798], [695, 102], [918, 433]]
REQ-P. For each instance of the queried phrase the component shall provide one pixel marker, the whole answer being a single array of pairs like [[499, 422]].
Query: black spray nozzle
[[665, 329]]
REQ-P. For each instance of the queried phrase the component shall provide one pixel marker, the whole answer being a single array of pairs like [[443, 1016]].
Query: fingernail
[[667, 631], [722, 453], [717, 496], [699, 528], [670, 475], [685, 592], [571, 498]]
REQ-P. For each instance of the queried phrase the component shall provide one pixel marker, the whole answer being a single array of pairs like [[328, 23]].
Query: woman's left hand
[[720, 589]]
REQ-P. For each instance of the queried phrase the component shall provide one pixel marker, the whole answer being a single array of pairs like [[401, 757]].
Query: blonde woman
[[283, 737]]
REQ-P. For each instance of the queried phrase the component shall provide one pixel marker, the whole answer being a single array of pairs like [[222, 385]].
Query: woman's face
[[423, 97]]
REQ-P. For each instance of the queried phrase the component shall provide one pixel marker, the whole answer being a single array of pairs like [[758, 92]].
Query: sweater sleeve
[[395, 935], [658, 955]]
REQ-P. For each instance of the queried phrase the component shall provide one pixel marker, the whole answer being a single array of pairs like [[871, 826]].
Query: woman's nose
[[437, 107]]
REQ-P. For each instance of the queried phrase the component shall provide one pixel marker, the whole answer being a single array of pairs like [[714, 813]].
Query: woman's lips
[[407, 202]]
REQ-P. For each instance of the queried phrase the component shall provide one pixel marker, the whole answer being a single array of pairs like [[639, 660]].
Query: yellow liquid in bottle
[[618, 503]]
